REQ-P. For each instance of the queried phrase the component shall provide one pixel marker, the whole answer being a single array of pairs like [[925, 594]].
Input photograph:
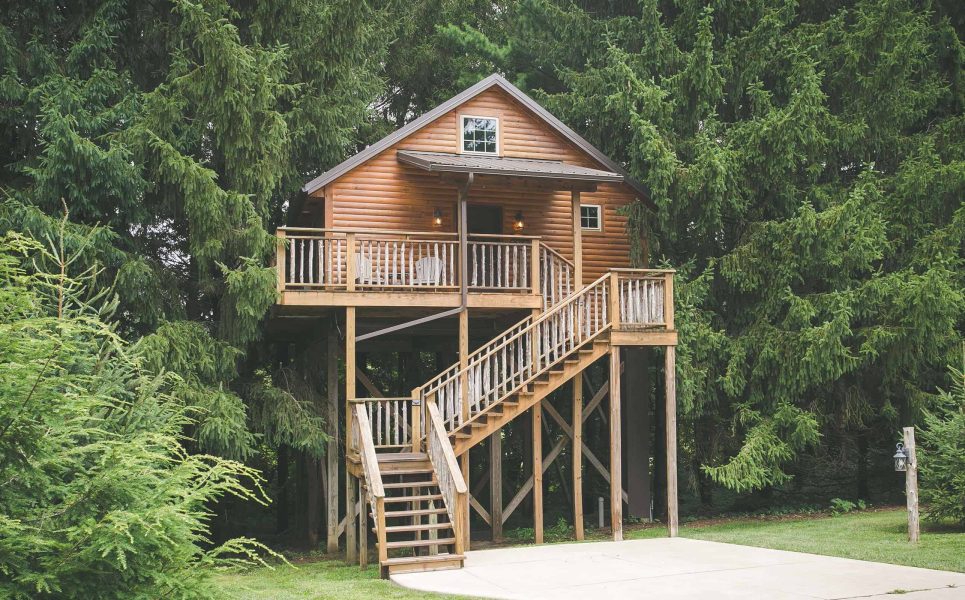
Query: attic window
[[480, 135]]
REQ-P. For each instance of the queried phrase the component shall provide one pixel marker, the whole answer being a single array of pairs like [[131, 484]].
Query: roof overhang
[[547, 172], [494, 80]]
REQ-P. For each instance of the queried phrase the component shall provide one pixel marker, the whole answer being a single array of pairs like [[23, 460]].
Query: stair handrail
[[451, 483], [551, 344], [362, 430]]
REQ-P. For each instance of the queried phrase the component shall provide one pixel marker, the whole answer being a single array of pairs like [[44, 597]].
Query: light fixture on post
[[901, 458], [518, 222], [437, 217]]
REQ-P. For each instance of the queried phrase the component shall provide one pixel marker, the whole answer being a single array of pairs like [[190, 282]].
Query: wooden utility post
[[911, 484]]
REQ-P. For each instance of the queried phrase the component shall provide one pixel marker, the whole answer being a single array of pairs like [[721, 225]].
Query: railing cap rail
[[556, 253], [643, 271], [379, 399], [403, 232]]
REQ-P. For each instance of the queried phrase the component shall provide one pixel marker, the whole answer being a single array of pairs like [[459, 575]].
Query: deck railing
[[449, 476], [391, 421], [623, 299], [349, 260]]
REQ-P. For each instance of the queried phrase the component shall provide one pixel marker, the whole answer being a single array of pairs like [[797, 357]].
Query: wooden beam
[[577, 465], [616, 466], [363, 527], [480, 509], [351, 550], [537, 421], [496, 485], [911, 483], [670, 374], [464, 394], [577, 240], [331, 447]]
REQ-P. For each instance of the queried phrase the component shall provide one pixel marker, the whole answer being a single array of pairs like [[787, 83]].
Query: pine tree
[[807, 164]]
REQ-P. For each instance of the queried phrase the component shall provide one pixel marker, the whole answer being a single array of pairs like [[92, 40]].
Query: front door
[[485, 219]]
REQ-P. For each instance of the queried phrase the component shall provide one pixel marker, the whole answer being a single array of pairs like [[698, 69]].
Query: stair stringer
[[501, 413]]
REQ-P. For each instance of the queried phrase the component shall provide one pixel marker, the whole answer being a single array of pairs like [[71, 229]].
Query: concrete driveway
[[679, 568]]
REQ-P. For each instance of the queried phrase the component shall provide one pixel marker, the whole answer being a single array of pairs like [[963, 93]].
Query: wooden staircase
[[420, 511], [418, 534]]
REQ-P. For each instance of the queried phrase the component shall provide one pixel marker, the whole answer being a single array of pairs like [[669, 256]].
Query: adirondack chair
[[428, 271]]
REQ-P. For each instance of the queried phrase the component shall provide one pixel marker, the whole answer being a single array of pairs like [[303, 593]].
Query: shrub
[[98, 498], [941, 456]]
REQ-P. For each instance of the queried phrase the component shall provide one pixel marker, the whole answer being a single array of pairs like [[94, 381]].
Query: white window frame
[[599, 217], [462, 134]]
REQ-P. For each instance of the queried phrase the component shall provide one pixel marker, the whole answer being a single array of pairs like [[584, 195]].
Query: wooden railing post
[[280, 264], [668, 300], [350, 267], [614, 300], [416, 419], [534, 273]]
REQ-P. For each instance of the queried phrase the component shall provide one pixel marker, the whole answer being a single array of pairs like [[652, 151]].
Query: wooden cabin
[[488, 231]]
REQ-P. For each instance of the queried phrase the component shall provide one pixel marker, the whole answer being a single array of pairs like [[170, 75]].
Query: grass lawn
[[878, 535], [319, 579]]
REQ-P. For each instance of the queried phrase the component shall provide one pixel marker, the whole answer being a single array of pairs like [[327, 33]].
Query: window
[[480, 134], [590, 217]]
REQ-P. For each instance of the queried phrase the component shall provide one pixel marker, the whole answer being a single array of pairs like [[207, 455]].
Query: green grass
[[879, 536], [322, 579]]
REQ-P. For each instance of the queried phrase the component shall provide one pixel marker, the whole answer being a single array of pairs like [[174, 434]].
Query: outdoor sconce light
[[437, 217], [901, 458], [518, 223]]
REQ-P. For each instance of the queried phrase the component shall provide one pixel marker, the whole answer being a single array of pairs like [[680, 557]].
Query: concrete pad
[[679, 568]]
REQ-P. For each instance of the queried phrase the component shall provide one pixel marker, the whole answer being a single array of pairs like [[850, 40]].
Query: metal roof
[[442, 162], [467, 94]]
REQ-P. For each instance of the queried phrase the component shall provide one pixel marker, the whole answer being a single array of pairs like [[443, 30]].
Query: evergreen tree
[[185, 129], [807, 163]]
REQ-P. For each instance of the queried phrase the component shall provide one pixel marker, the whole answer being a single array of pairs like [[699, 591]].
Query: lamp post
[[906, 462]]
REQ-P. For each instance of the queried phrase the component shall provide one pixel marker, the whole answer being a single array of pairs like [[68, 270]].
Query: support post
[[577, 447], [911, 484], [350, 374], [464, 393], [537, 422], [331, 448], [363, 526], [534, 263], [280, 264], [670, 375], [616, 465], [351, 550], [577, 241], [496, 485]]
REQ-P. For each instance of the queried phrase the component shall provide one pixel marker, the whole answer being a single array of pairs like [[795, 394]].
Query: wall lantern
[[437, 217], [901, 458], [518, 222]]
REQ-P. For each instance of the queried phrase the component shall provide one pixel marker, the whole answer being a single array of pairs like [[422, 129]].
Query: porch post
[[577, 242], [464, 339], [670, 374], [350, 483], [331, 450], [496, 485], [616, 465], [577, 447], [537, 422]]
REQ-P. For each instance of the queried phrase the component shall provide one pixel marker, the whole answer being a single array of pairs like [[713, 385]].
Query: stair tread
[[408, 560], [420, 527], [413, 498], [415, 543], [414, 513], [407, 484], [419, 471], [402, 456]]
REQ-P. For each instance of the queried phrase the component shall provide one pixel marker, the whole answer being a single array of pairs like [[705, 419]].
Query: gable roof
[[493, 80]]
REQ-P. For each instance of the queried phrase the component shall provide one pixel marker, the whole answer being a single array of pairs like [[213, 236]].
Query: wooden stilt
[[464, 388], [537, 421], [670, 374], [616, 465], [363, 527], [331, 450], [351, 550], [496, 485], [577, 449]]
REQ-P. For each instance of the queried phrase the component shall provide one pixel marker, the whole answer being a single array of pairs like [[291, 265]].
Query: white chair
[[428, 271], [363, 269]]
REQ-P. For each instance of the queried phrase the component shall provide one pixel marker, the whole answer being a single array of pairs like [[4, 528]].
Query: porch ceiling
[[545, 170]]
